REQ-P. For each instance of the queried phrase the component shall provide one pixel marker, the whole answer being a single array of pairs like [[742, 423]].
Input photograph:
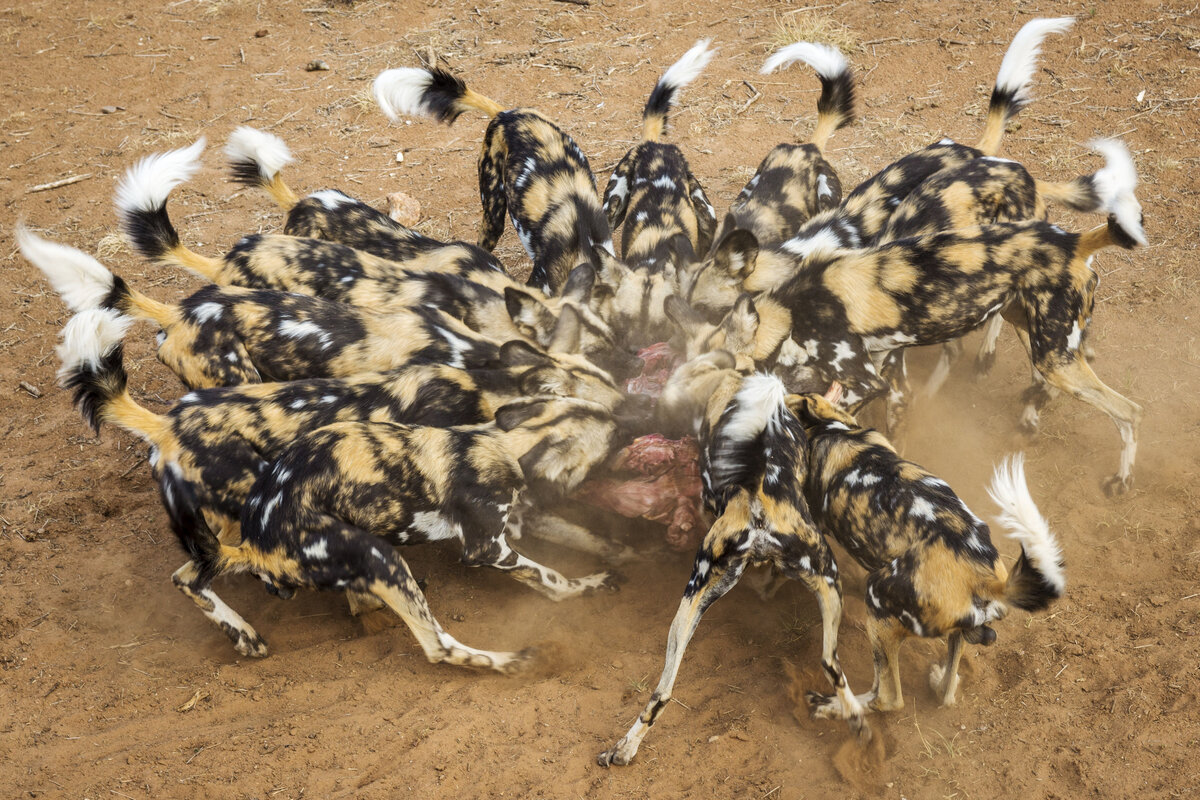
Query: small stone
[[618, 665], [399, 156], [316, 66], [714, 739], [110, 109], [260, 33], [404, 209]]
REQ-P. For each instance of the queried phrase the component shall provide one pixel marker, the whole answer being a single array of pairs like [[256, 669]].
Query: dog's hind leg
[[985, 359], [492, 189], [1077, 378], [847, 706], [943, 679], [951, 352], [886, 635], [189, 580], [719, 564]]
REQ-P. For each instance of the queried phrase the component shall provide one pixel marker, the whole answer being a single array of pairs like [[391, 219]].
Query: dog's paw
[[983, 364], [617, 755], [1116, 486], [612, 581], [519, 662], [823, 706], [250, 644]]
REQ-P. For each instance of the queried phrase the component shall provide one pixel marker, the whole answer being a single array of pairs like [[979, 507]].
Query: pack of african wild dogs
[[353, 385]]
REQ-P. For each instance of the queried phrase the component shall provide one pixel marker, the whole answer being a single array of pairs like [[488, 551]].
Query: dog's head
[[560, 374], [713, 285], [686, 395], [634, 309], [557, 440]]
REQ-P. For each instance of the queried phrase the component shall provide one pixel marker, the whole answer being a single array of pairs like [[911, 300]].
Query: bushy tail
[[735, 452], [92, 366], [1114, 185], [666, 91], [1108, 188], [256, 158], [1011, 91], [84, 283], [142, 207], [435, 93], [1037, 579], [835, 108]]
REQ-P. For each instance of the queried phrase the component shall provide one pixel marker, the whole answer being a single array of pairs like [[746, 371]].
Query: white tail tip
[[1020, 61], [1019, 515], [81, 281], [148, 183], [265, 150], [1115, 182], [401, 92], [88, 337], [689, 66], [826, 60]]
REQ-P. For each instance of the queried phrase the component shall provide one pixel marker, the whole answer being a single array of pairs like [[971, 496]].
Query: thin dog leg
[[985, 359], [709, 581], [951, 352], [943, 679], [552, 528], [245, 639], [847, 707], [886, 636]]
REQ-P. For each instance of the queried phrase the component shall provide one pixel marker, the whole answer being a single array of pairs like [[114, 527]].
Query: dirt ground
[[113, 685]]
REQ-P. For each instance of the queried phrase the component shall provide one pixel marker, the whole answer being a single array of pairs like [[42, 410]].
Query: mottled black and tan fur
[[528, 167], [215, 443], [273, 261], [754, 462], [331, 510], [794, 182], [861, 217], [257, 158], [933, 570], [668, 220]]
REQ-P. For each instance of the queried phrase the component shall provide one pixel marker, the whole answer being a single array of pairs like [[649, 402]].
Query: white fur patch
[[922, 508], [1114, 184], [435, 526], [665, 182], [458, 346], [823, 189], [206, 312], [1074, 337], [1019, 515], [824, 241], [265, 150], [1020, 62], [687, 68], [148, 183], [318, 550], [401, 92], [759, 401], [827, 61], [299, 330], [331, 198], [81, 281], [90, 336]]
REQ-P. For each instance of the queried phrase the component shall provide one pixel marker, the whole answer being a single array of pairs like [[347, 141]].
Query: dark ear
[[737, 253], [531, 317], [741, 325], [541, 380], [813, 409], [683, 315], [616, 195], [518, 413], [706, 215], [579, 285], [611, 271], [565, 337], [518, 353], [685, 254]]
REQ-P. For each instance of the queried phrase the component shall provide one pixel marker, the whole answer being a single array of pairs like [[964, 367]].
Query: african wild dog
[[257, 159], [754, 462], [270, 261], [227, 335], [214, 443], [714, 284], [528, 167], [795, 182], [327, 515], [932, 568], [850, 310], [653, 191]]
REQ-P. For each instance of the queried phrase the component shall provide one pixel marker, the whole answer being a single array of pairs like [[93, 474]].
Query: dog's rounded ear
[[610, 269], [579, 285], [684, 252], [565, 337], [531, 317], [741, 325], [813, 409], [683, 315], [737, 253], [722, 359], [542, 380], [519, 353], [518, 413]]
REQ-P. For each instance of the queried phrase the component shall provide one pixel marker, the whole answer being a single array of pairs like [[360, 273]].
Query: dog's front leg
[[943, 679], [712, 576]]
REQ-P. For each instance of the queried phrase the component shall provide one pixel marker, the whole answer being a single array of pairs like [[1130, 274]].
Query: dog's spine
[[666, 91], [835, 107], [1038, 577], [1011, 91], [92, 367], [142, 208], [85, 284], [256, 159], [433, 93]]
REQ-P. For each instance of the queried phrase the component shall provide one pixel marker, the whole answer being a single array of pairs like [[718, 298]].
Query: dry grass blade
[[814, 27]]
